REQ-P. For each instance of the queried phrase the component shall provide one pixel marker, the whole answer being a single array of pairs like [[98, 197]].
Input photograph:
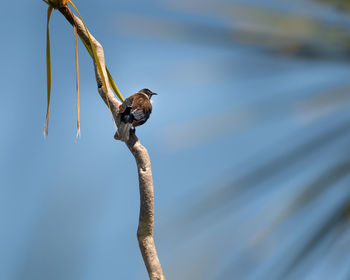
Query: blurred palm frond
[[284, 213]]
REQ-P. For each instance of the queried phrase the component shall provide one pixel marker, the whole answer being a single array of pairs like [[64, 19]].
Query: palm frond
[[77, 73], [96, 59], [48, 70]]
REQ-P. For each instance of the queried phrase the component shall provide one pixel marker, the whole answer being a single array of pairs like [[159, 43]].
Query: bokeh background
[[249, 141]]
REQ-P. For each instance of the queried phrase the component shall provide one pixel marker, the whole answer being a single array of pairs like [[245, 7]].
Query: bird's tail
[[123, 132]]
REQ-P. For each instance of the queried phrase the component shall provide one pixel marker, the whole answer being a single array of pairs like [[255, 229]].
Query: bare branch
[[146, 219]]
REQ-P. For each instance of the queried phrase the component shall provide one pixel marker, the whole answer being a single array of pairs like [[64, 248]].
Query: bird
[[134, 111]]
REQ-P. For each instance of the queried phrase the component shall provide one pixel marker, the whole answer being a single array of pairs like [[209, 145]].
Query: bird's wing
[[140, 117], [141, 108], [126, 104], [138, 114]]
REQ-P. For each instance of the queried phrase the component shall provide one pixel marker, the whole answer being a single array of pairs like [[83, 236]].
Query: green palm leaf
[[110, 78], [77, 71], [99, 67], [48, 70], [55, 4], [114, 86]]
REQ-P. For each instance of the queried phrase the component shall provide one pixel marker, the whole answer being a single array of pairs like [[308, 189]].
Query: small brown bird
[[134, 111]]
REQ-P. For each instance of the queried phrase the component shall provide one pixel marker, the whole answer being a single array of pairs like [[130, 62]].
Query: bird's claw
[[117, 136]]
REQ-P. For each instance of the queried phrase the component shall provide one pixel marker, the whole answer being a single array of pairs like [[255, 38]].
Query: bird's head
[[148, 92]]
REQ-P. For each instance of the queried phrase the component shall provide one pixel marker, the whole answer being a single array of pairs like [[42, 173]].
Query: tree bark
[[146, 218]]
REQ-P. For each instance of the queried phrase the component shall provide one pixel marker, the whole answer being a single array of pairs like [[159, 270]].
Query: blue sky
[[69, 209]]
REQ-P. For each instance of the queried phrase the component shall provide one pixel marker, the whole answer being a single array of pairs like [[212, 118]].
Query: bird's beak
[[154, 93]]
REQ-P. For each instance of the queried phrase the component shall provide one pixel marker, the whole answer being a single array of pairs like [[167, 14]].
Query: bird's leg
[[117, 136]]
